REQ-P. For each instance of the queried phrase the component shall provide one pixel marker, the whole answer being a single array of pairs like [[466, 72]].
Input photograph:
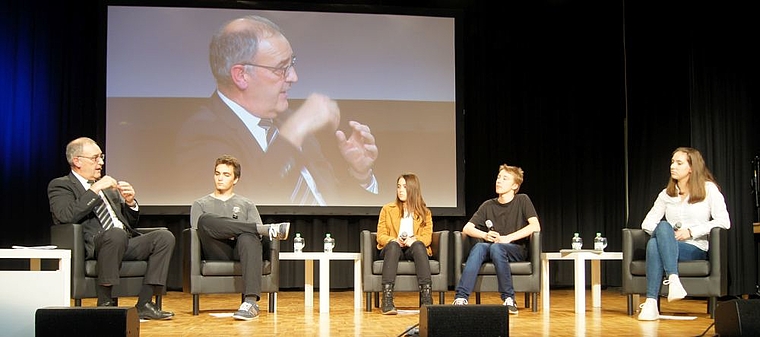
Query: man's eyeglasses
[[95, 157], [279, 71]]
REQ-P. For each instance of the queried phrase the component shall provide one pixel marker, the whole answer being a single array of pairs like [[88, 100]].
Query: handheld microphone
[[235, 211], [403, 235], [677, 226], [489, 225]]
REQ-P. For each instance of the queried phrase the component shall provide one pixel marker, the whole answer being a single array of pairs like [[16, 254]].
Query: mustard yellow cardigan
[[390, 220]]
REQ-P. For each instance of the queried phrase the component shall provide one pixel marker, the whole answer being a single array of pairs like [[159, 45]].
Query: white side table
[[324, 276], [24, 291], [580, 257]]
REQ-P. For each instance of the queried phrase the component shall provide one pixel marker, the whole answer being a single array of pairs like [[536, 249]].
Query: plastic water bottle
[[598, 241], [298, 243], [577, 241], [329, 243]]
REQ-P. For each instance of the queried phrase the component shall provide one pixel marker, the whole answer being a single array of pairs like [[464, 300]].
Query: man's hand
[[127, 192], [359, 150], [104, 183], [493, 236], [317, 112]]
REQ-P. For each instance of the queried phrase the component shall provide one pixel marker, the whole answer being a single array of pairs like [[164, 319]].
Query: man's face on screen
[[269, 81]]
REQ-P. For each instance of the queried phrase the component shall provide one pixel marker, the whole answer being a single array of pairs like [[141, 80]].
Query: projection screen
[[395, 73]]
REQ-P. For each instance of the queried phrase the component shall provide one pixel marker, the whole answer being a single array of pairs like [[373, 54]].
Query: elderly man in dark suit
[[108, 211]]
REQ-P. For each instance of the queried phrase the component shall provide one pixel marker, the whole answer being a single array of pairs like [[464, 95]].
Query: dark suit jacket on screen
[[215, 130]]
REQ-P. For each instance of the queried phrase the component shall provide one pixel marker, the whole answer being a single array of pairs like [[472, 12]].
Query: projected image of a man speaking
[[248, 116]]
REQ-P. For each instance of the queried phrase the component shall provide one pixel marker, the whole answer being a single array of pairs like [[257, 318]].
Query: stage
[[293, 319]]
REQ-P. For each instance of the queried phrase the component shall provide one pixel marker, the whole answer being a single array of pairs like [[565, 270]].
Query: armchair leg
[[377, 300], [196, 305], [77, 302], [534, 304], [272, 302], [527, 300], [368, 305], [711, 303], [629, 299], [477, 298], [442, 297]]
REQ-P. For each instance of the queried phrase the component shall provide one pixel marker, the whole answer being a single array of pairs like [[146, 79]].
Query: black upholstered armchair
[[84, 272], [701, 278], [201, 276], [406, 277], [526, 275]]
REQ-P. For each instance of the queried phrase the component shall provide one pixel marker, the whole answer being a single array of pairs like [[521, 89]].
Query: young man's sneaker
[[247, 311], [460, 301], [649, 310], [510, 304], [279, 231], [675, 289]]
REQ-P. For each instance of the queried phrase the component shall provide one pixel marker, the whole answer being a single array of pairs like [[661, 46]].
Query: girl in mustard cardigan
[[405, 231]]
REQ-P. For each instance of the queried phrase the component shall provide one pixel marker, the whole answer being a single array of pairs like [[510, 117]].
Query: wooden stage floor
[[292, 319]]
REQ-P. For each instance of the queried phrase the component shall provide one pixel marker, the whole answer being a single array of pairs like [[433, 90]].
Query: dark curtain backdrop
[[588, 97]]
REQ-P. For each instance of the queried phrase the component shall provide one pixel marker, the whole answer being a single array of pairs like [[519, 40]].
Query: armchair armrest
[[70, 236], [535, 249], [365, 247], [191, 257], [634, 244], [718, 256], [274, 259], [634, 249], [440, 247], [458, 255]]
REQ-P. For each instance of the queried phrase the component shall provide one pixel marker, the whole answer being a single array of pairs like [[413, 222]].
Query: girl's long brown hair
[[700, 174], [415, 204]]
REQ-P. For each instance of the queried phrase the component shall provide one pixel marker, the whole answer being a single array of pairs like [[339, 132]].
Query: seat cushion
[[406, 267], [229, 268], [696, 268], [128, 268], [518, 268]]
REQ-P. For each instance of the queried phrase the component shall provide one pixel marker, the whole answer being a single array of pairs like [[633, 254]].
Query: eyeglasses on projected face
[[279, 71], [95, 158]]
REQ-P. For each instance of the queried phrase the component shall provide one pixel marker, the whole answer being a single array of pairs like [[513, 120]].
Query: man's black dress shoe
[[111, 303], [151, 311]]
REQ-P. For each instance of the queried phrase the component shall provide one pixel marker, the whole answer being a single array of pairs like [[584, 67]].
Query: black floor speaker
[[738, 318], [464, 320], [89, 321]]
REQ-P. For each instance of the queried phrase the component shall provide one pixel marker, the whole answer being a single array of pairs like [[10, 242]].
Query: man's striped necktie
[[102, 212], [302, 193], [271, 129]]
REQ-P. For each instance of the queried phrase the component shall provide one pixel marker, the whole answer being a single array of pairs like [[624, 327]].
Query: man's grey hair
[[231, 47]]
